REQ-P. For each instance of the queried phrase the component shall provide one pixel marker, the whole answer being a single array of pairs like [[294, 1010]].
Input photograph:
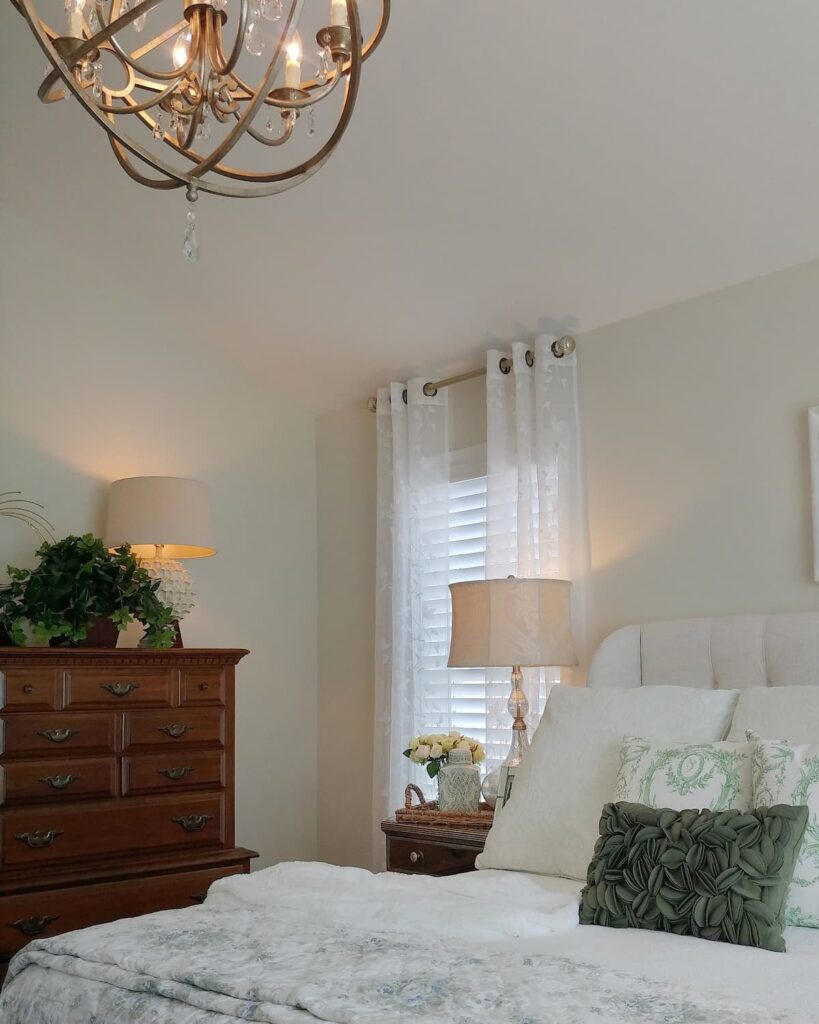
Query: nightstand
[[416, 849]]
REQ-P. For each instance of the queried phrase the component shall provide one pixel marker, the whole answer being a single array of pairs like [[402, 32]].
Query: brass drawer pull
[[59, 781], [120, 689], [34, 925], [199, 897], [175, 730], [58, 735], [40, 839], [175, 774], [192, 822], [416, 857]]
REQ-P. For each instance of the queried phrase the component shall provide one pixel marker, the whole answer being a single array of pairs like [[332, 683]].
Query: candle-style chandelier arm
[[281, 179], [221, 64], [271, 100], [366, 50], [226, 145]]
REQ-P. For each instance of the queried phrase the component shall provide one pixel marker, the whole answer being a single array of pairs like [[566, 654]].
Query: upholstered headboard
[[728, 653]]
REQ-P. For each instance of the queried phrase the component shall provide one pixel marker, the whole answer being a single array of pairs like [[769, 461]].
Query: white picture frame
[[813, 431]]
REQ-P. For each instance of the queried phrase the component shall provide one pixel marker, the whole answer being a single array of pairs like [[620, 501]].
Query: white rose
[[455, 736], [413, 743], [462, 745], [421, 753], [436, 750], [448, 744], [478, 754]]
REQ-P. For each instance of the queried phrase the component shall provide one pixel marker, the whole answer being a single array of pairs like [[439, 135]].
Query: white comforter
[[300, 943]]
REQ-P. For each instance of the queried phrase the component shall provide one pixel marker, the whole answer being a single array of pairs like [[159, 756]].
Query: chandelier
[[207, 99]]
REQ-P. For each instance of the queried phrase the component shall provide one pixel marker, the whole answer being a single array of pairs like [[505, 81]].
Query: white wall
[[695, 422], [94, 386]]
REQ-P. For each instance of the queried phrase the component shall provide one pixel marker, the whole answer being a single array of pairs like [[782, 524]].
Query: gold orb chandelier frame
[[205, 84]]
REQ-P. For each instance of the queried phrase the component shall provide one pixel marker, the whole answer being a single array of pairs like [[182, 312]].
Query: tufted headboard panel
[[729, 653]]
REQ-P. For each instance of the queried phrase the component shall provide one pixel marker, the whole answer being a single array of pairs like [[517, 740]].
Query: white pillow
[[716, 776], [784, 773], [791, 711], [551, 821]]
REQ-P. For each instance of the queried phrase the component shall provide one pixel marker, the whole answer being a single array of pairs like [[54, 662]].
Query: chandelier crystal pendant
[[183, 101]]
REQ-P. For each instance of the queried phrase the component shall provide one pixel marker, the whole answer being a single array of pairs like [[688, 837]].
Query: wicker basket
[[426, 812]]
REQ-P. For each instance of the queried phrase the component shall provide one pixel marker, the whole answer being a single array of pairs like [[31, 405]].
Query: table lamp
[[164, 519], [517, 622]]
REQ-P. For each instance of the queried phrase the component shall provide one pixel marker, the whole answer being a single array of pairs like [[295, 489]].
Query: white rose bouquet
[[434, 750]]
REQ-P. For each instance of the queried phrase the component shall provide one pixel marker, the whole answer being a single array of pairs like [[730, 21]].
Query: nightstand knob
[[416, 856]]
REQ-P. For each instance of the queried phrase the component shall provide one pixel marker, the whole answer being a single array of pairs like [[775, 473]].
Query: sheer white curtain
[[536, 509], [412, 534]]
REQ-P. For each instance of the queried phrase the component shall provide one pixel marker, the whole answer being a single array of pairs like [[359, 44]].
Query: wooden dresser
[[116, 785]]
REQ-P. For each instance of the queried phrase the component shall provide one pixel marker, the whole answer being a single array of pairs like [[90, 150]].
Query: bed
[[305, 942]]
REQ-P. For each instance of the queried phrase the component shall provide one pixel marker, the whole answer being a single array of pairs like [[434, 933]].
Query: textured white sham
[[790, 711], [551, 821]]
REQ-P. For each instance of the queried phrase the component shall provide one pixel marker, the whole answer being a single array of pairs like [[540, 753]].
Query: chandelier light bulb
[[292, 69], [338, 13], [181, 48]]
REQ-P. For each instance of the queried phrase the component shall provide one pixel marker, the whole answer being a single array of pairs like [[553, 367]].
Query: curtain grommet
[[530, 357], [505, 365], [430, 390]]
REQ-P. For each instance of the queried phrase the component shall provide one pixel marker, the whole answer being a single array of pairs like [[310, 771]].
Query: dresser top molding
[[69, 656]]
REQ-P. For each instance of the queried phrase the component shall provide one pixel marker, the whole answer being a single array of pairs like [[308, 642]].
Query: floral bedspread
[[217, 965]]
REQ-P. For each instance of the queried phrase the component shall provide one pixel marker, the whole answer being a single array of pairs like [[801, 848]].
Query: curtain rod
[[562, 346]]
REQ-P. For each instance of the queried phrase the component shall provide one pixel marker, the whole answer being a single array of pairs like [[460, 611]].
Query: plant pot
[[102, 632]]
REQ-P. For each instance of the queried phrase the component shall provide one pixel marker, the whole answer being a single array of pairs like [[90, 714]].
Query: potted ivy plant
[[80, 594]]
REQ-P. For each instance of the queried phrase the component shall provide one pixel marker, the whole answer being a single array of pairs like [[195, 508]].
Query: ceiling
[[510, 168]]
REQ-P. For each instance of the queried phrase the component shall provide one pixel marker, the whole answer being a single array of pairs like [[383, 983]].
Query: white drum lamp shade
[[521, 623], [515, 622], [166, 512]]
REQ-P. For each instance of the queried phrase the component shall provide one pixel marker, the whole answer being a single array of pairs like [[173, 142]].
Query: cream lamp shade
[[516, 622], [165, 512]]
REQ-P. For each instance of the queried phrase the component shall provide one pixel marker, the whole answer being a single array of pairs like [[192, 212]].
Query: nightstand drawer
[[202, 686], [413, 857]]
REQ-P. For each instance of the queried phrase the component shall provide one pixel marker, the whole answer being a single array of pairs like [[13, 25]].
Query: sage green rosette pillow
[[715, 875]]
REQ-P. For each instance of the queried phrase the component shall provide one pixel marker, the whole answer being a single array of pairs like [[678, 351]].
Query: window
[[471, 700]]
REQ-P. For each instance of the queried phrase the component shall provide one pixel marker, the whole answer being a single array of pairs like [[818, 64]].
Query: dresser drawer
[[202, 686], [52, 911], [58, 781], [38, 837], [146, 730], [417, 857], [118, 687], [172, 771], [60, 734], [31, 689]]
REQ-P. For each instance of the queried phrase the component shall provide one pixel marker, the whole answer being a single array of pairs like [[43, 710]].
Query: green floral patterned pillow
[[721, 876], [788, 773], [681, 775]]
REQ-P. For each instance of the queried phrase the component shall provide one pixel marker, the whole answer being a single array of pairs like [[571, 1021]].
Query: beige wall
[[696, 448], [86, 397]]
